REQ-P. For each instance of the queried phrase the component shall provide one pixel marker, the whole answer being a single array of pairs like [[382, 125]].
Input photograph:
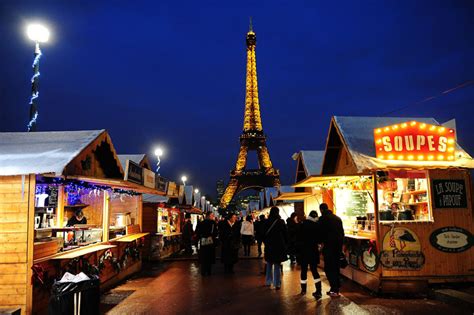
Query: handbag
[[343, 261], [205, 241]]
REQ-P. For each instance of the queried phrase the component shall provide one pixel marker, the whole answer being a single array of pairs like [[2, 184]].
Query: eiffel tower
[[252, 138]]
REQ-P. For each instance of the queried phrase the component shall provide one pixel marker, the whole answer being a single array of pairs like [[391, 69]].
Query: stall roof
[[137, 158], [24, 153], [312, 161], [358, 136]]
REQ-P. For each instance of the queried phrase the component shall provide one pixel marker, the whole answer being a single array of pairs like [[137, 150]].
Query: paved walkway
[[178, 288]]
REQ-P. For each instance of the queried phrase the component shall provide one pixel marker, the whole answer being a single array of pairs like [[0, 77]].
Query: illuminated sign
[[415, 141]]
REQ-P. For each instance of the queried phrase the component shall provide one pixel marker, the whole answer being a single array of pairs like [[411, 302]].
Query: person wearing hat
[[77, 218], [307, 239]]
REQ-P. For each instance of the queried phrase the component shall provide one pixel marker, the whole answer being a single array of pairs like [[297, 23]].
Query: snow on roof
[[358, 134], [312, 162], [24, 153], [154, 198], [137, 158]]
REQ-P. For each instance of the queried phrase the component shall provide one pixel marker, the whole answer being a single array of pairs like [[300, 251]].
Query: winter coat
[[292, 227], [276, 241], [307, 239], [188, 232], [259, 227], [207, 253], [332, 233], [230, 240]]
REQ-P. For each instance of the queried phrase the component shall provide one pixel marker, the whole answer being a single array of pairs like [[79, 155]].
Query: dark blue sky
[[173, 72]]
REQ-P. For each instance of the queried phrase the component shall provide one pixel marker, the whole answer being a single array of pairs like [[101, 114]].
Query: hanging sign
[[451, 239], [401, 250], [134, 173], [449, 193], [415, 141], [148, 178]]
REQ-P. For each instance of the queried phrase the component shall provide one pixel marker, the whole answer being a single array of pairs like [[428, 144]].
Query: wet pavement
[[176, 287]]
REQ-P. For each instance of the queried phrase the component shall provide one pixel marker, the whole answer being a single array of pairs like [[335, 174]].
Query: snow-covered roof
[[24, 153], [358, 135], [137, 158], [154, 198], [312, 161]]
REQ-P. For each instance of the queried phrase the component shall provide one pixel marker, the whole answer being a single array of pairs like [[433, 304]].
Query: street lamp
[[196, 191], [158, 153], [39, 34], [184, 179]]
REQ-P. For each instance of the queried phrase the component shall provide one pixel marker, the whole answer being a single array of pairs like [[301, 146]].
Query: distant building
[[220, 186]]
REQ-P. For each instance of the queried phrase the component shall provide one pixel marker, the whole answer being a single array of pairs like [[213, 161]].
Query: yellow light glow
[[421, 157], [381, 157], [432, 128], [451, 140], [400, 157], [404, 125], [386, 129], [395, 127], [423, 126], [379, 141], [451, 149], [411, 157], [378, 130], [413, 123], [441, 129], [390, 157], [380, 149], [440, 157], [430, 157], [450, 158], [451, 130]]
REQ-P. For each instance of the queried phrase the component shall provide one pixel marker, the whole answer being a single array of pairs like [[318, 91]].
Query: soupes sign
[[415, 141]]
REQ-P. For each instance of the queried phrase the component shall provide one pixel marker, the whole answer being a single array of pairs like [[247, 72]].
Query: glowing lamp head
[[37, 33], [184, 178], [196, 191], [158, 152]]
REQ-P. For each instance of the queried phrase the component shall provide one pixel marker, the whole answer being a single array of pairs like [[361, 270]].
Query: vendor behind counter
[[77, 218]]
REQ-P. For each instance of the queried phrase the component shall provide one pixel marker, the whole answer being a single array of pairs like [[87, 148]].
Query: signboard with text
[[449, 193], [148, 178], [134, 173], [415, 141]]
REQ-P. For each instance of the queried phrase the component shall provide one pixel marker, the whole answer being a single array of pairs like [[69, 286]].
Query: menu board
[[354, 202]]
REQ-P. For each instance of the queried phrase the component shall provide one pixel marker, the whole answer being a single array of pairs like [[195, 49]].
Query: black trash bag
[[75, 298]]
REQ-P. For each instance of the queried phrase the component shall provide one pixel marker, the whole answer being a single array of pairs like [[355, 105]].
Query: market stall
[[403, 190], [64, 206]]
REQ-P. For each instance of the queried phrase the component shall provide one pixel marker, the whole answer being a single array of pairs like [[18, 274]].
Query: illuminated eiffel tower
[[252, 138]]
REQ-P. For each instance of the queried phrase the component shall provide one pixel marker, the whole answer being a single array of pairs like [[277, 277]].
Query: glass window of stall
[[353, 203], [124, 211], [404, 196]]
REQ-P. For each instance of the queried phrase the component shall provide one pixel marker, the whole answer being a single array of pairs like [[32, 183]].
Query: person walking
[[229, 235], [332, 237], [206, 232], [275, 240], [247, 232], [187, 234], [307, 239], [259, 227], [292, 225]]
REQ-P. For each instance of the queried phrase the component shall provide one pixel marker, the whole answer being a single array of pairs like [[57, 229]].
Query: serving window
[[404, 196]]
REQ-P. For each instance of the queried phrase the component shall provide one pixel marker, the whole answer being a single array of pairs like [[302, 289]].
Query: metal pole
[[34, 89]]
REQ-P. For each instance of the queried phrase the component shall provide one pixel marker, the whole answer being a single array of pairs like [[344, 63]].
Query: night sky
[[173, 72]]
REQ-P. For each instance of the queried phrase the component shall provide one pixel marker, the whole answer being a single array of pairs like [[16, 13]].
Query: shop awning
[[118, 183], [293, 196], [319, 180]]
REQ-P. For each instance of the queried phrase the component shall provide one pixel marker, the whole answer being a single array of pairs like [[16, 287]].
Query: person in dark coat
[[229, 235], [332, 237], [206, 232], [259, 227], [307, 239], [292, 226], [187, 234], [276, 240]]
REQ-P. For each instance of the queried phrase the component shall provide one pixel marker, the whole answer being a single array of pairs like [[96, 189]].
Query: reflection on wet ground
[[178, 288]]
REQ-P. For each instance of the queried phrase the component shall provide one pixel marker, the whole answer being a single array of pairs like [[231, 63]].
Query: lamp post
[[184, 179], [39, 34], [158, 153]]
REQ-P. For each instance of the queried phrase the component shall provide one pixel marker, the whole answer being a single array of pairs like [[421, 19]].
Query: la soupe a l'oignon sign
[[415, 141]]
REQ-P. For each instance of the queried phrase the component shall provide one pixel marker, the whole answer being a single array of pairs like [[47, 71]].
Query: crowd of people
[[298, 240]]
